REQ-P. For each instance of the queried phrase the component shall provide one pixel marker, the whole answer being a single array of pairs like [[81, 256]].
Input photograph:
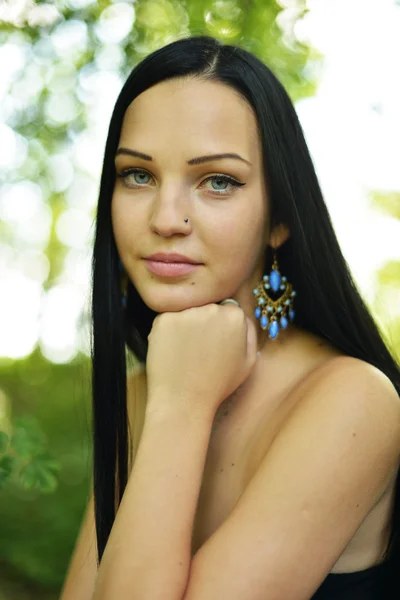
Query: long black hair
[[328, 302]]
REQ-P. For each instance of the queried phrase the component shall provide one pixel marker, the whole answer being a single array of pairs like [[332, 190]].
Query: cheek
[[123, 223], [238, 242], [236, 233]]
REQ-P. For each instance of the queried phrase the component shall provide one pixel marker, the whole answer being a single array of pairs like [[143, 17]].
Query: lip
[[171, 257], [170, 269]]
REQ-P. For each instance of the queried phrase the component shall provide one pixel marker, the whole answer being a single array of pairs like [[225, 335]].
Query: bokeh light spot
[[61, 108], [70, 38], [20, 201], [19, 311], [61, 309], [115, 23], [73, 227]]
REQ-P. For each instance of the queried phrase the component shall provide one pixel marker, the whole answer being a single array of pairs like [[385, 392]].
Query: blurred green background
[[62, 65]]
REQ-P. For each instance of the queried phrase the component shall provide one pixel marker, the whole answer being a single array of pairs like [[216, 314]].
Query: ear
[[278, 236]]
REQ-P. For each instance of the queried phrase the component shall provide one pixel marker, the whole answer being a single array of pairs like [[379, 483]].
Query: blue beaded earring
[[274, 312]]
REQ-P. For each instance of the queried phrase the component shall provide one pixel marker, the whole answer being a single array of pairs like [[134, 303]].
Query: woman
[[264, 423]]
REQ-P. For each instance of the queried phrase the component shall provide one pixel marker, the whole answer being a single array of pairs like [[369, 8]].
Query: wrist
[[163, 404]]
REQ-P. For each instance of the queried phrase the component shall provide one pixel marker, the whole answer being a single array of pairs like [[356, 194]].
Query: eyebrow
[[193, 161]]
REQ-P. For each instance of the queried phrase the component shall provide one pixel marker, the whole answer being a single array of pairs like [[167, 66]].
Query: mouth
[[171, 257], [170, 269]]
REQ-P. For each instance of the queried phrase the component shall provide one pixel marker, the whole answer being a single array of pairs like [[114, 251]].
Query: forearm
[[148, 553]]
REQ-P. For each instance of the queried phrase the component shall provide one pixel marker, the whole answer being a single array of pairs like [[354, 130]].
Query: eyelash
[[225, 178]]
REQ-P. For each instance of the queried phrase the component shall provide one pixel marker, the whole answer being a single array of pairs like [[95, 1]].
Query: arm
[[82, 571], [79, 583], [330, 462], [148, 553], [325, 470]]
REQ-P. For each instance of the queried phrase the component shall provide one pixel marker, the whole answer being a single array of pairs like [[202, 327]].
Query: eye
[[125, 176], [224, 179], [133, 178]]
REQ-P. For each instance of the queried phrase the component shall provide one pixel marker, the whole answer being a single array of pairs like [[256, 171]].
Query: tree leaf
[[40, 474], [28, 439]]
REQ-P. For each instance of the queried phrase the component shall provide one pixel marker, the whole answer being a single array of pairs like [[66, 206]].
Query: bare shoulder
[[325, 469], [136, 392], [356, 393], [135, 385], [352, 373]]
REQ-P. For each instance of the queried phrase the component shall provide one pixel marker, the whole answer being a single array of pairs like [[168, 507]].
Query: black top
[[369, 584]]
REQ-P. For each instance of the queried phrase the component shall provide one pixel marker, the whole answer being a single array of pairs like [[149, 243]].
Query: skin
[[173, 122]]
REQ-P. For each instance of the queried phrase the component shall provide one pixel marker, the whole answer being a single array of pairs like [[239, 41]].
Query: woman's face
[[174, 122]]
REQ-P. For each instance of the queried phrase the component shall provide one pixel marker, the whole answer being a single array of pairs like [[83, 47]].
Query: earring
[[123, 284], [274, 312]]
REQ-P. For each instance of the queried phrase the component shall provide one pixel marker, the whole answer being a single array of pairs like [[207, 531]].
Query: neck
[[271, 355]]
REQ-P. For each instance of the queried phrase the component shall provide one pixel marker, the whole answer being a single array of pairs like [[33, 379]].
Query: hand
[[199, 356]]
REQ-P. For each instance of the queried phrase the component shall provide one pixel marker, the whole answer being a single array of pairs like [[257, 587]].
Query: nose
[[168, 214]]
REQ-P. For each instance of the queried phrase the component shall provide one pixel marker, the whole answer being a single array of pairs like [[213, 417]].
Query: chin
[[176, 304], [170, 305]]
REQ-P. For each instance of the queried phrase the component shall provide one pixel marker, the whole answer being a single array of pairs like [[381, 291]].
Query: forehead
[[191, 114]]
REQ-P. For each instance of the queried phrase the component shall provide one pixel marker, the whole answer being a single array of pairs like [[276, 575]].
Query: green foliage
[[28, 460], [388, 276], [45, 459], [6, 468], [4, 441], [387, 202]]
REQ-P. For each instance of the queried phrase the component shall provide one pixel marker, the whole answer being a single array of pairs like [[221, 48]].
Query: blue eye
[[224, 179], [135, 172]]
